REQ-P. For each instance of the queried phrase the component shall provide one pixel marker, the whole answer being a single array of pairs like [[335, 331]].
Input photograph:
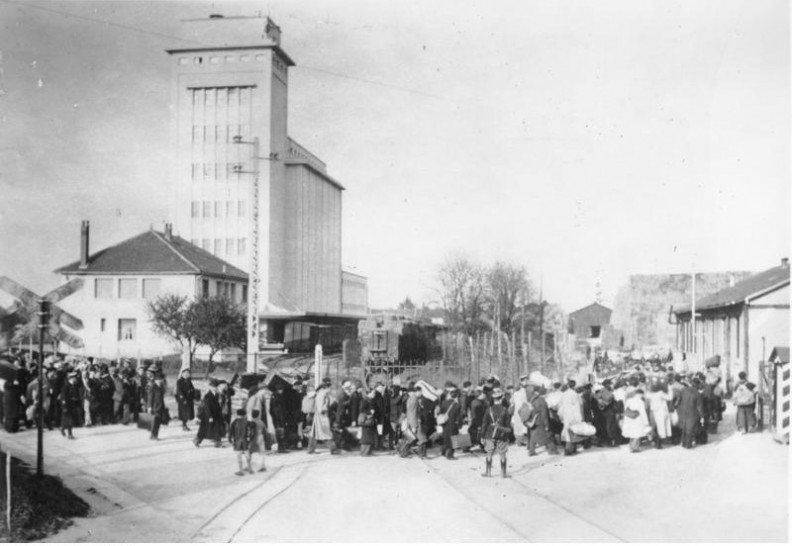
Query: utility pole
[[44, 317], [253, 325], [541, 323]]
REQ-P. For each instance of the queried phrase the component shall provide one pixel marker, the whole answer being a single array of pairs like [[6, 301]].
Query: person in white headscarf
[[570, 411]]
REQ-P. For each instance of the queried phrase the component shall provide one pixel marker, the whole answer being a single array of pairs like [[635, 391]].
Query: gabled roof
[[151, 253], [744, 290], [593, 308], [780, 354]]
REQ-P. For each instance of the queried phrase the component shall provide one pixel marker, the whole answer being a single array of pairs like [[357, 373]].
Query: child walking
[[256, 434], [239, 438]]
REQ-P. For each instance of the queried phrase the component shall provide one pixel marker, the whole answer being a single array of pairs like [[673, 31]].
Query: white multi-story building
[[230, 79]]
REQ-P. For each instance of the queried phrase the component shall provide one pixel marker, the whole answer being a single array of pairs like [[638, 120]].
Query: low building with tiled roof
[[119, 280], [740, 323]]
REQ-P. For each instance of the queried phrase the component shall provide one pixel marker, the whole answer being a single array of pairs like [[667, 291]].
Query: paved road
[[169, 491]]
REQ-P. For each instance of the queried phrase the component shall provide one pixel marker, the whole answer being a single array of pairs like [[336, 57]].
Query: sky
[[586, 141]]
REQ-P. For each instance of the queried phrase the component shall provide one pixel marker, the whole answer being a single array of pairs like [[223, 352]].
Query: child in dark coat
[[239, 438]]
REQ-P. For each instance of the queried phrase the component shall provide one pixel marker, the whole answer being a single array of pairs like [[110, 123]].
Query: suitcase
[[146, 421], [461, 441]]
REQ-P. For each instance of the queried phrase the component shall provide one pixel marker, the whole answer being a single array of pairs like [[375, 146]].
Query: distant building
[[740, 323], [590, 330], [119, 281], [642, 307], [230, 80]]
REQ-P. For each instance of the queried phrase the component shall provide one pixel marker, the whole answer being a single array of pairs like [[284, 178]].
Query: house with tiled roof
[[740, 323], [118, 281]]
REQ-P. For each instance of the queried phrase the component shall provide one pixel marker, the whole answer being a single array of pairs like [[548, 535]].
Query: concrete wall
[[312, 243], [770, 323]]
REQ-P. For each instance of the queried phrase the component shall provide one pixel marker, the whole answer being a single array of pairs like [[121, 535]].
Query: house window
[[103, 289], [218, 288], [229, 247], [127, 329], [244, 293], [595, 331], [205, 288], [151, 288], [127, 289], [232, 292], [242, 246], [196, 209], [207, 209], [102, 324], [218, 247]]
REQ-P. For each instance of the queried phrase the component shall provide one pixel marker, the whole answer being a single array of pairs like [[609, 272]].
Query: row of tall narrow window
[[126, 289], [202, 172], [218, 209], [223, 247], [219, 133]]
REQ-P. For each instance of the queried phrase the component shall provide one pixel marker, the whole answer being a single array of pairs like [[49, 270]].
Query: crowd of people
[[79, 392], [657, 407]]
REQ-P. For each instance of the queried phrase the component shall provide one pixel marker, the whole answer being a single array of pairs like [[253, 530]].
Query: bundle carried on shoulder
[[583, 429]]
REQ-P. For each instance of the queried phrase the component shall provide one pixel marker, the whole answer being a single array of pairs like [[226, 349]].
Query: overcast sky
[[583, 139]]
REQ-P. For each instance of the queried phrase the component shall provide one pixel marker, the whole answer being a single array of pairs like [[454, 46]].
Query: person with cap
[[106, 391], [538, 424], [521, 410], [570, 411], [478, 407], [744, 398], [224, 395], [367, 420], [70, 400], [185, 397], [321, 430], [605, 402], [496, 429], [411, 430], [240, 434], [156, 404], [210, 416], [452, 421], [689, 407]]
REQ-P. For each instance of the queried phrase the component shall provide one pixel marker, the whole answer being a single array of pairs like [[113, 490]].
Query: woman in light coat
[[659, 415], [636, 422]]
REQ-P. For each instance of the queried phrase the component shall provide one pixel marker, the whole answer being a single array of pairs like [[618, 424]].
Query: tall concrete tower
[[230, 79]]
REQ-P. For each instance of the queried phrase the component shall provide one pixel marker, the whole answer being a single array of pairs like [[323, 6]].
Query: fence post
[[8, 492]]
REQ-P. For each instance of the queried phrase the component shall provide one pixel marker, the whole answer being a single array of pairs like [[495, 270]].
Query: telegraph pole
[[44, 316], [253, 325]]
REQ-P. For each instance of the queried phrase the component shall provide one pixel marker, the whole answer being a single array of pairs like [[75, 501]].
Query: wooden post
[[8, 491]]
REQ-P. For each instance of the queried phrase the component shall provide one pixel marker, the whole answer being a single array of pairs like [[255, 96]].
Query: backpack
[[743, 396]]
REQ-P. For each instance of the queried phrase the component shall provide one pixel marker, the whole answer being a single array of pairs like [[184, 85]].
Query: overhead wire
[[107, 22]]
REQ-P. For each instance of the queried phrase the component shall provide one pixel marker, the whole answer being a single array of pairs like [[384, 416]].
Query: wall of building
[[641, 307], [101, 316], [311, 259], [770, 323], [354, 294]]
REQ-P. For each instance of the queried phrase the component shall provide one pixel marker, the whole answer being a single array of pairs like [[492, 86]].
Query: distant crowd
[[656, 407]]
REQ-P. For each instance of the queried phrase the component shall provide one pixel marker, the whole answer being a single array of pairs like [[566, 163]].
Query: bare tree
[[507, 284], [219, 325], [461, 287]]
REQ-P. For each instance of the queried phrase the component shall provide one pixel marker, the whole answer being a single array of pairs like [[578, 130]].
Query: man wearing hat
[[156, 404], [496, 432], [210, 416], [70, 400]]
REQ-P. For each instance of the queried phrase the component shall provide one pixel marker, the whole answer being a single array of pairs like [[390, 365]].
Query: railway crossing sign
[[26, 305]]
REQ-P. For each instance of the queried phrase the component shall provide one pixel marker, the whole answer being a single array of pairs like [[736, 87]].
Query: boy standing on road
[[496, 431], [238, 437], [256, 438]]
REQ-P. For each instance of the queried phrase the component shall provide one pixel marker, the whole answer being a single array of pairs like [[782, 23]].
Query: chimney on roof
[[785, 262], [85, 230], [168, 232]]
